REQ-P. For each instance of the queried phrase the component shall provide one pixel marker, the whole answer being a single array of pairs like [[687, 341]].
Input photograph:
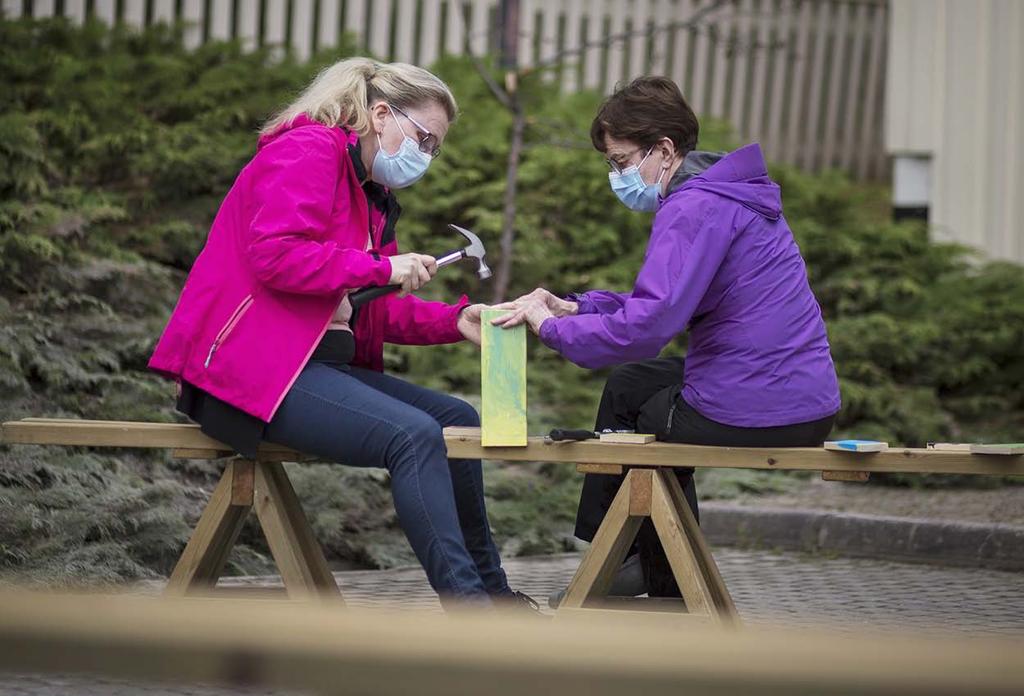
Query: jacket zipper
[[228, 327]]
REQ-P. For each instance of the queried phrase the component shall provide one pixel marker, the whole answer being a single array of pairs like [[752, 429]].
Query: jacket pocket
[[228, 327]]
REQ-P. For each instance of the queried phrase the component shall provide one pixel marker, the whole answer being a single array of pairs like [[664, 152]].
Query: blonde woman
[[264, 342]]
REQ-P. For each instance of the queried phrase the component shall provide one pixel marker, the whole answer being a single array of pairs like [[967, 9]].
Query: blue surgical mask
[[631, 189], [405, 167]]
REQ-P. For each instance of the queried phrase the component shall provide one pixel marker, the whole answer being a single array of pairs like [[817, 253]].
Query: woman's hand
[[412, 271], [469, 322], [530, 310], [556, 305]]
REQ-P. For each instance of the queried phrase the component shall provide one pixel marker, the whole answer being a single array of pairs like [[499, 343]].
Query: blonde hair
[[342, 94]]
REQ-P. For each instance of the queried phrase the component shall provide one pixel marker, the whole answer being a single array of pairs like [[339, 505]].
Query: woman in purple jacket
[[722, 263]]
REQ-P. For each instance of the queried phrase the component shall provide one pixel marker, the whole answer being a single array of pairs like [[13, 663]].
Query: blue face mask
[[631, 189], [405, 167]]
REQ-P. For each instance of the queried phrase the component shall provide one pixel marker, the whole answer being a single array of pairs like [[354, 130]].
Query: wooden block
[[615, 469], [627, 438], [502, 383], [950, 446], [852, 476], [856, 446], [640, 493], [1012, 449]]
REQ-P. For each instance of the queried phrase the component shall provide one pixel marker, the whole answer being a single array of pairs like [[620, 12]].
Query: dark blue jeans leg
[[331, 414], [467, 474]]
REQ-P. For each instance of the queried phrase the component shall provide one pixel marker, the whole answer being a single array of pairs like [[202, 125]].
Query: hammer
[[475, 250]]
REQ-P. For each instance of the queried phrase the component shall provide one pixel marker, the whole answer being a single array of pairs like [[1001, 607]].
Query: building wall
[[954, 118]]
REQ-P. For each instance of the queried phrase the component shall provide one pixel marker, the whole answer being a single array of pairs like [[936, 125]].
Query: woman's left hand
[[469, 322], [531, 310]]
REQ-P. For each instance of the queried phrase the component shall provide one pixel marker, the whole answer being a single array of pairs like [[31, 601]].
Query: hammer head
[[474, 250]]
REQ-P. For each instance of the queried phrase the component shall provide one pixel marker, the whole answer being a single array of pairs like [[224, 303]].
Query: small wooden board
[[856, 446], [950, 446], [628, 438], [1011, 449], [502, 382]]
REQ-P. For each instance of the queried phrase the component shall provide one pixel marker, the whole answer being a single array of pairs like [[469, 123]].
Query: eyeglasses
[[618, 169], [427, 140]]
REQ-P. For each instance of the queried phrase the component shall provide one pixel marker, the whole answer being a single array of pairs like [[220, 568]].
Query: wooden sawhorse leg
[[264, 485], [653, 493]]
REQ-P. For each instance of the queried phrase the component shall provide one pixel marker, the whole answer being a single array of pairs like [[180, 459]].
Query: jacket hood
[[741, 176]]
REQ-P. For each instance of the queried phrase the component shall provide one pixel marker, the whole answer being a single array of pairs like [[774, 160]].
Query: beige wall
[[955, 95]]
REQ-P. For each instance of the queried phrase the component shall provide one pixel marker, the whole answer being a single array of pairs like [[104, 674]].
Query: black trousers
[[645, 396]]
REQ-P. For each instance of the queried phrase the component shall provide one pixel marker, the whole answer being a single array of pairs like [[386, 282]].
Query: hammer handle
[[361, 297]]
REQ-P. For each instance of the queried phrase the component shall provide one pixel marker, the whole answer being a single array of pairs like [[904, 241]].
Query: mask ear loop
[[404, 135]]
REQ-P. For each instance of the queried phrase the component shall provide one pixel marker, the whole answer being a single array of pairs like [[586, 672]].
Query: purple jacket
[[722, 262]]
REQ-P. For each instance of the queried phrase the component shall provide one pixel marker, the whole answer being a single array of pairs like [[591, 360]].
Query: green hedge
[[115, 150]]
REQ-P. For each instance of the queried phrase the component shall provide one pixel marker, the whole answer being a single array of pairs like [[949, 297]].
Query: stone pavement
[[769, 588]]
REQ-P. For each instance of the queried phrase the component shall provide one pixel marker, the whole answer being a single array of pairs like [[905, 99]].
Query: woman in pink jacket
[[264, 342]]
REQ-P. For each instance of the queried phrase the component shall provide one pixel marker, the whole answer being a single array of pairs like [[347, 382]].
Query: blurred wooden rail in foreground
[[300, 647]]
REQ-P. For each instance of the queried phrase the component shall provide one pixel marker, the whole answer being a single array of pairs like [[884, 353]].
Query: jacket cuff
[[548, 334], [582, 301], [382, 271], [450, 326]]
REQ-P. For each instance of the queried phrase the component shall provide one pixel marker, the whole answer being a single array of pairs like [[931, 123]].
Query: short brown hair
[[645, 111]]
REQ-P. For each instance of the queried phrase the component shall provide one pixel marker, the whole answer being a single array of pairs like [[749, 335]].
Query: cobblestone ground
[[768, 588]]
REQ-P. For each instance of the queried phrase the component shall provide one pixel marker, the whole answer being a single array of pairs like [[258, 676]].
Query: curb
[[941, 542]]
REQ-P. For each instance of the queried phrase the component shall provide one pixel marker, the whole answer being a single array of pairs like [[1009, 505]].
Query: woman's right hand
[[412, 271], [556, 305]]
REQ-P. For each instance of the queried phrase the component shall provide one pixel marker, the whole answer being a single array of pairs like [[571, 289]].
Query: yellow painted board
[[502, 383]]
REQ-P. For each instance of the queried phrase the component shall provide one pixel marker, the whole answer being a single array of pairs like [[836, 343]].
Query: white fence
[[803, 77]]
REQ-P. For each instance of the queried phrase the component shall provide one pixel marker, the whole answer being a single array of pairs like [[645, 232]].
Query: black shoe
[[518, 600]]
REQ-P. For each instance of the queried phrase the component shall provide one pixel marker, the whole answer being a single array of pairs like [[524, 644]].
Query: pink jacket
[[287, 242]]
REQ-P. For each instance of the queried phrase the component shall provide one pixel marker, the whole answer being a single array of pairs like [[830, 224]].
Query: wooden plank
[[163, 11], [550, 12], [640, 492], [628, 438], [302, 28], [614, 469], [848, 476], [243, 482], [43, 9], [1014, 449], [638, 43], [835, 85], [430, 32], [455, 28], [709, 569], [699, 72], [203, 559], [950, 446], [74, 10], [681, 556], [759, 77], [248, 24], [681, 64], [355, 21], [723, 32], [300, 648], [192, 14], [502, 382], [527, 27], [779, 53], [220, 19], [662, 454], [296, 551], [479, 39], [275, 24], [573, 21], [328, 23], [380, 29], [740, 85], [812, 130], [603, 559], [616, 51], [105, 11], [870, 148], [796, 126], [662, 38], [405, 39], [853, 116], [591, 58]]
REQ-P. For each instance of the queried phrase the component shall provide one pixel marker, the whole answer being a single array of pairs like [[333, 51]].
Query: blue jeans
[[364, 418]]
